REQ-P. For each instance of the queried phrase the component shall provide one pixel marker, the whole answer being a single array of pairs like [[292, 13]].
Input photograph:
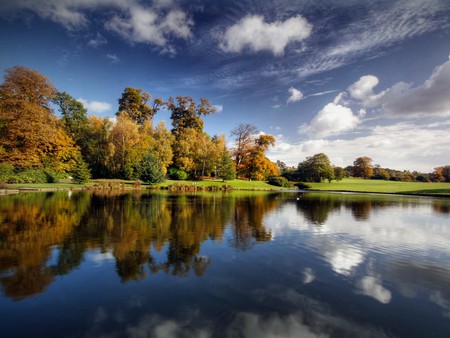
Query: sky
[[348, 78]]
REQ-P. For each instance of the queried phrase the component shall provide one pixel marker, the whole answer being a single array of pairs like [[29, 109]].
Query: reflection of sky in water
[[330, 268], [398, 247]]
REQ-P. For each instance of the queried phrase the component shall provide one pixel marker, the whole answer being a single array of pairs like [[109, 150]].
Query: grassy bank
[[235, 184], [381, 186]]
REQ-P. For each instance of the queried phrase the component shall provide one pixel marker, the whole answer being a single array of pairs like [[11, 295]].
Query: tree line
[[318, 168], [35, 144]]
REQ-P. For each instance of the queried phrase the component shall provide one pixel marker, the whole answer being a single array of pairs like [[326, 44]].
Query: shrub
[[280, 182], [302, 185], [6, 170], [177, 174]]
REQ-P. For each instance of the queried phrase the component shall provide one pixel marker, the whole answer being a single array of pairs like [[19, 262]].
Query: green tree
[[362, 167], [81, 173], [135, 103], [315, 169], [338, 173], [226, 169], [150, 169], [73, 115]]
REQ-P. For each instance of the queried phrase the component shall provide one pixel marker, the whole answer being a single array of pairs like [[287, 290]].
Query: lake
[[241, 264]]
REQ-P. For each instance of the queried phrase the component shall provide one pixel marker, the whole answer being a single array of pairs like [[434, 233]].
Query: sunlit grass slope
[[381, 186]]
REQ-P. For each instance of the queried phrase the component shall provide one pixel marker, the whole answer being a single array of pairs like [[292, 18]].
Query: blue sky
[[348, 78]]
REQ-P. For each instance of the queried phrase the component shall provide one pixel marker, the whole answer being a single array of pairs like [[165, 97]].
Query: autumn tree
[[136, 104], [256, 165], [125, 141], [315, 168], [362, 167], [29, 133], [95, 146], [244, 137], [187, 128]]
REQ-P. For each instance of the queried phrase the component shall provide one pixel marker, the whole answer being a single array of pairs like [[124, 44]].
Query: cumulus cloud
[[254, 33], [333, 119], [393, 146], [363, 88], [296, 95], [95, 106], [430, 98]]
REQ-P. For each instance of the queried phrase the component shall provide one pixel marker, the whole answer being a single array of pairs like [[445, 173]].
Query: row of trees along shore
[[318, 168], [36, 145]]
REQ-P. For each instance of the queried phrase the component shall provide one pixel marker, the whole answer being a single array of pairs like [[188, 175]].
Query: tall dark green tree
[[73, 115]]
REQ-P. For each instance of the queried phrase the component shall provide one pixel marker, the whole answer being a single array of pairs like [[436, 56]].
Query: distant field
[[381, 186]]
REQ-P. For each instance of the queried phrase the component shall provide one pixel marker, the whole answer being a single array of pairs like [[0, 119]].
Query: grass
[[236, 184], [387, 187]]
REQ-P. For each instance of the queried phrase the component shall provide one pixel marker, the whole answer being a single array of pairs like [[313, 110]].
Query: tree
[[187, 128], [315, 169], [186, 113], [162, 146], [126, 144], [95, 146], [256, 165], [73, 115], [225, 167], [150, 169], [135, 103], [338, 173], [244, 136], [362, 167], [29, 133], [81, 174]]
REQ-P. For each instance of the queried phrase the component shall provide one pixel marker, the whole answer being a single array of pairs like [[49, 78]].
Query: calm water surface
[[224, 265]]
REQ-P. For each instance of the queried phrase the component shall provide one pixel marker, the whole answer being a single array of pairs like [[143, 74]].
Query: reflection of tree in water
[[32, 225], [315, 208], [247, 220], [129, 226], [441, 207]]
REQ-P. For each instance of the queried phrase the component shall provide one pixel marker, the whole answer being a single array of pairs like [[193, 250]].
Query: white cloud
[[95, 106], [363, 88], [395, 146], [113, 58], [296, 95], [254, 33], [372, 287], [145, 25], [154, 24], [97, 41], [218, 108], [430, 98], [333, 119]]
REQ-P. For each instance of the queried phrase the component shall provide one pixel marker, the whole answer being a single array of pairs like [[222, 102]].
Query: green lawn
[[381, 186], [236, 184]]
